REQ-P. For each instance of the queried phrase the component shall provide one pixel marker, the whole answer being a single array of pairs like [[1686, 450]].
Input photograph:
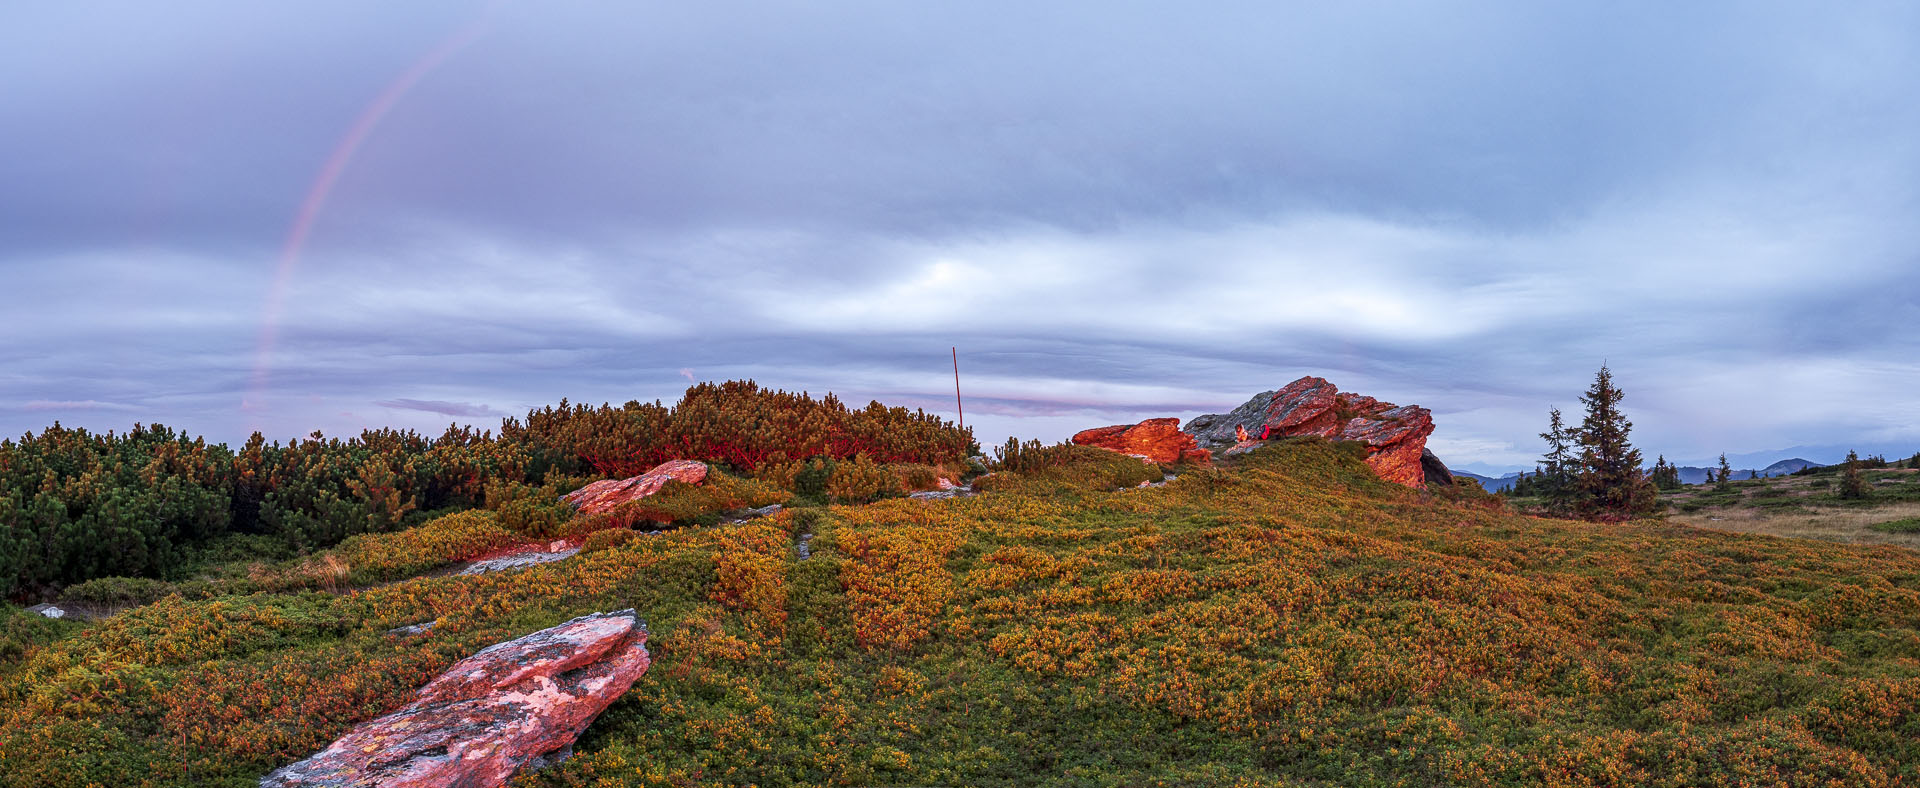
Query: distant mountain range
[[1688, 474]]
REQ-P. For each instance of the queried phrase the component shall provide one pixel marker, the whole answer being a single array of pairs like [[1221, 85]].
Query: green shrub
[[118, 591], [21, 630], [861, 480]]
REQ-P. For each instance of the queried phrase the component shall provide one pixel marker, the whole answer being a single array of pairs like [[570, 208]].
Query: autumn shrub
[[750, 573], [735, 423], [442, 541], [897, 583], [608, 539], [1467, 492], [1068, 467], [1032, 456], [914, 476], [808, 479], [861, 480]]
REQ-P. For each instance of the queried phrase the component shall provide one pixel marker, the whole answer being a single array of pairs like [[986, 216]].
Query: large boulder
[[506, 708], [604, 495], [1395, 436], [1157, 440]]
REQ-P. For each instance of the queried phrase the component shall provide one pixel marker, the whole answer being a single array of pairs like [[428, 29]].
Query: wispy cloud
[[84, 404], [442, 407]]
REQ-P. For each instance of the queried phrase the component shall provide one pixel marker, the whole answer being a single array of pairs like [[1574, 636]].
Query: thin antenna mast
[[956, 388]]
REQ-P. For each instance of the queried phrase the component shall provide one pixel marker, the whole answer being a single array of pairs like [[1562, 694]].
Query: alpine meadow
[[488, 394]]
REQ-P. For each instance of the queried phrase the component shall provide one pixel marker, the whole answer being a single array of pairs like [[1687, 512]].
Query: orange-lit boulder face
[[605, 494], [491, 715], [1157, 440], [1396, 436]]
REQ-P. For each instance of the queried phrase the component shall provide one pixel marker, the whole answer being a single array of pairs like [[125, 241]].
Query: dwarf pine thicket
[[153, 503], [1285, 619]]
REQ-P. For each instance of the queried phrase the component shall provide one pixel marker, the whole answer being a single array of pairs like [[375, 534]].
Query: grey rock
[[412, 629], [48, 610], [1435, 469], [517, 561], [938, 495], [1215, 430]]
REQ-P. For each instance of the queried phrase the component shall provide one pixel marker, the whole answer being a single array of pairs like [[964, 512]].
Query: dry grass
[[1850, 526]]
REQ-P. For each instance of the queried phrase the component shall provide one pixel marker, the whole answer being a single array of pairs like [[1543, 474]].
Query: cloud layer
[[1114, 213]]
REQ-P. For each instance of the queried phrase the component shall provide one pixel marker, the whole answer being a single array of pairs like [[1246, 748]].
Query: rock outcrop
[[1395, 436], [490, 715], [1157, 440], [1435, 469], [604, 495]]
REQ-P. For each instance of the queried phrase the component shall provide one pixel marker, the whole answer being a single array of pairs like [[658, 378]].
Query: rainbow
[[322, 187]]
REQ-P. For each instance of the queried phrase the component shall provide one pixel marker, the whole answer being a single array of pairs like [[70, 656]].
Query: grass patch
[[1905, 525]]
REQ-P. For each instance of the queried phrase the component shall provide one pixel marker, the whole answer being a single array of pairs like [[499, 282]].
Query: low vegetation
[[1288, 619]]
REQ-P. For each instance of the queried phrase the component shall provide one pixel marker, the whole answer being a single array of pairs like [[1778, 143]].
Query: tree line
[[76, 505]]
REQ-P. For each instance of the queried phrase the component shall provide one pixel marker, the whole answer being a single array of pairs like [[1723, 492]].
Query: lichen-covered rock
[[490, 715], [604, 495], [1154, 440], [1396, 436]]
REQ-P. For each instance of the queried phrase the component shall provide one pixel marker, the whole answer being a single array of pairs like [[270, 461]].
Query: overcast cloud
[[1115, 211]]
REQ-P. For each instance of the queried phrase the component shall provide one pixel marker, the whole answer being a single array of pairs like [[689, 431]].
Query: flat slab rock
[[504, 709], [525, 556], [604, 495]]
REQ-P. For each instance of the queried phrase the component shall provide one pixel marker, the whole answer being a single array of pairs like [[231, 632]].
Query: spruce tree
[[1554, 481], [1853, 484], [1664, 476], [1726, 474], [1608, 483]]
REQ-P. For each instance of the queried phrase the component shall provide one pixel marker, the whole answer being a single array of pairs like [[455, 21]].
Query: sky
[[302, 215]]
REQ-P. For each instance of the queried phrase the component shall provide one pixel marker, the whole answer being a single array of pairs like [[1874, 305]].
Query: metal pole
[[956, 388]]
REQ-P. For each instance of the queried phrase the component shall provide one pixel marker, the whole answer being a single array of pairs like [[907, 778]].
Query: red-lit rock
[[1396, 437], [606, 494], [1307, 406], [1155, 440], [490, 715]]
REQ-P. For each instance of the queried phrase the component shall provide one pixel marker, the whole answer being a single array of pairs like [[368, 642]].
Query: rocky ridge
[[1395, 435]]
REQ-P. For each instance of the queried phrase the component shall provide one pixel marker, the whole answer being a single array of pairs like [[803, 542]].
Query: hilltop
[[1280, 616]]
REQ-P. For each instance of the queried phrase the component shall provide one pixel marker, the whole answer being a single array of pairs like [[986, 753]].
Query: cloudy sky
[[289, 216]]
